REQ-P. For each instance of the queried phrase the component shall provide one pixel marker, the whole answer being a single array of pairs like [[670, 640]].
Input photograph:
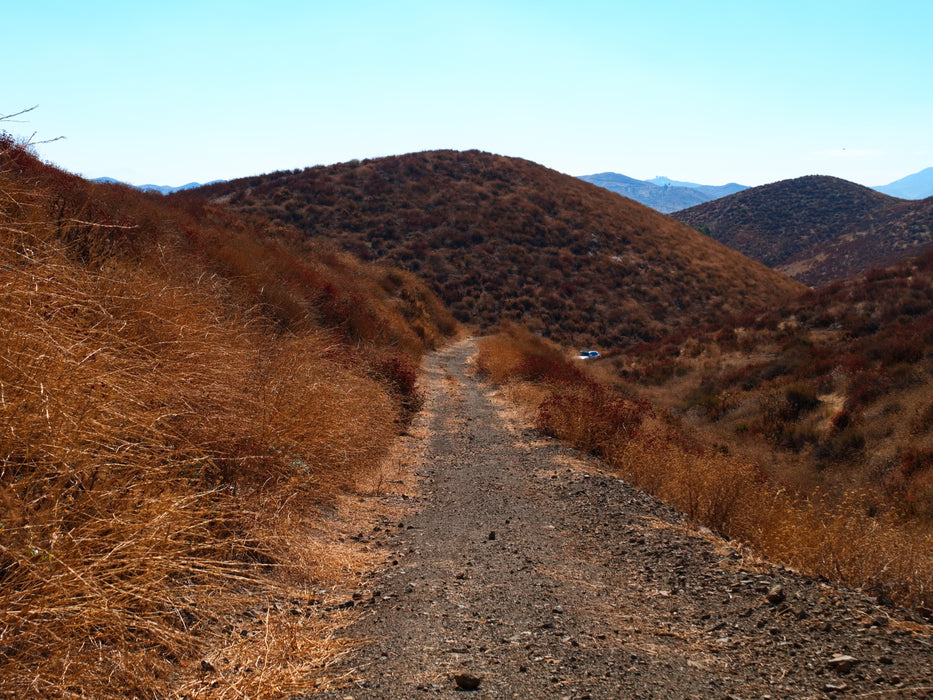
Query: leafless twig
[[29, 141], [9, 117]]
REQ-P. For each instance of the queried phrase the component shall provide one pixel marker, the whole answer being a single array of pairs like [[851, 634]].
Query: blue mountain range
[[161, 189], [662, 193]]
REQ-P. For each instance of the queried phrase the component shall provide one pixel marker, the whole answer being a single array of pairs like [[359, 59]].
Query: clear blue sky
[[708, 91]]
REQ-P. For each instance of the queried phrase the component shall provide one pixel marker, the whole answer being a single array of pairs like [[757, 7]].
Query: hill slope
[[504, 238], [184, 393], [817, 229], [830, 391]]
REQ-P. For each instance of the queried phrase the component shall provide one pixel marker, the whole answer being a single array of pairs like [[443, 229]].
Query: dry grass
[[502, 354], [152, 456], [167, 454], [852, 539]]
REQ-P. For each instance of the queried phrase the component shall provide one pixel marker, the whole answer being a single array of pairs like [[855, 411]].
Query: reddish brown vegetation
[[503, 238]]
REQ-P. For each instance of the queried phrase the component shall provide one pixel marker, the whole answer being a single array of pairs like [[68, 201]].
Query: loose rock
[[842, 663], [776, 594], [467, 681]]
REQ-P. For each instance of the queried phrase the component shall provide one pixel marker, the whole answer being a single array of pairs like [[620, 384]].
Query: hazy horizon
[[177, 185]]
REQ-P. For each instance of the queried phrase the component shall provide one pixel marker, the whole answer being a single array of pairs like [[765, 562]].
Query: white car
[[587, 355]]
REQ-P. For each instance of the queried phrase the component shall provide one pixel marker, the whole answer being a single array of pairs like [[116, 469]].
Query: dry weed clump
[[505, 354], [853, 540], [160, 453]]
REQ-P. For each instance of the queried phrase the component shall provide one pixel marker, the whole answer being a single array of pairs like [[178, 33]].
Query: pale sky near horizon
[[711, 92]]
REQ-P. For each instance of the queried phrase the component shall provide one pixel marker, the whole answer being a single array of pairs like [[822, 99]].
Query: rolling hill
[[507, 239], [817, 229]]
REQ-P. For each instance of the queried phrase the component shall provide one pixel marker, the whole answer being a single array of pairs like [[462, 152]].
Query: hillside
[[817, 229], [187, 397], [832, 391], [505, 239]]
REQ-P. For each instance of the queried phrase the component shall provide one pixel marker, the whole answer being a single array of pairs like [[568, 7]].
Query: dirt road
[[522, 564]]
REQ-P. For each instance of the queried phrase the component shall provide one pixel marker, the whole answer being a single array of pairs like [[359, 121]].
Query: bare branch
[[28, 142], [9, 117], [97, 225]]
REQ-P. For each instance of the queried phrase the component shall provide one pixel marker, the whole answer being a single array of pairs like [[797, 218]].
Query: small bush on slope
[[848, 540]]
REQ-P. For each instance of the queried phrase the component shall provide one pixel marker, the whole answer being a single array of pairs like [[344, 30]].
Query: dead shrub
[[502, 354], [590, 417]]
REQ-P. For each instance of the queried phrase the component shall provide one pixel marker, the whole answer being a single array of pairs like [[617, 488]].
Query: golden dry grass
[[150, 454], [501, 354], [168, 454]]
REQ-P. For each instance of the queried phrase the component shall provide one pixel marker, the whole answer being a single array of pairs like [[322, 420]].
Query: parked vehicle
[[587, 355]]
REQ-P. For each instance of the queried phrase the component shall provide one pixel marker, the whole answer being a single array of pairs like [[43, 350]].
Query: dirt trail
[[525, 565]]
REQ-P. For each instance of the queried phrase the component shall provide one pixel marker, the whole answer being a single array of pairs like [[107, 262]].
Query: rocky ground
[[521, 569]]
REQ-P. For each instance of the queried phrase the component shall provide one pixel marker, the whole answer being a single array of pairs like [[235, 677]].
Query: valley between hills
[[249, 451]]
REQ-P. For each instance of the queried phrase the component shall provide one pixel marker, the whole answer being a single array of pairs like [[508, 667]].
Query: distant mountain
[[711, 191], [916, 186], [507, 239], [161, 189], [817, 229], [167, 189], [661, 193]]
